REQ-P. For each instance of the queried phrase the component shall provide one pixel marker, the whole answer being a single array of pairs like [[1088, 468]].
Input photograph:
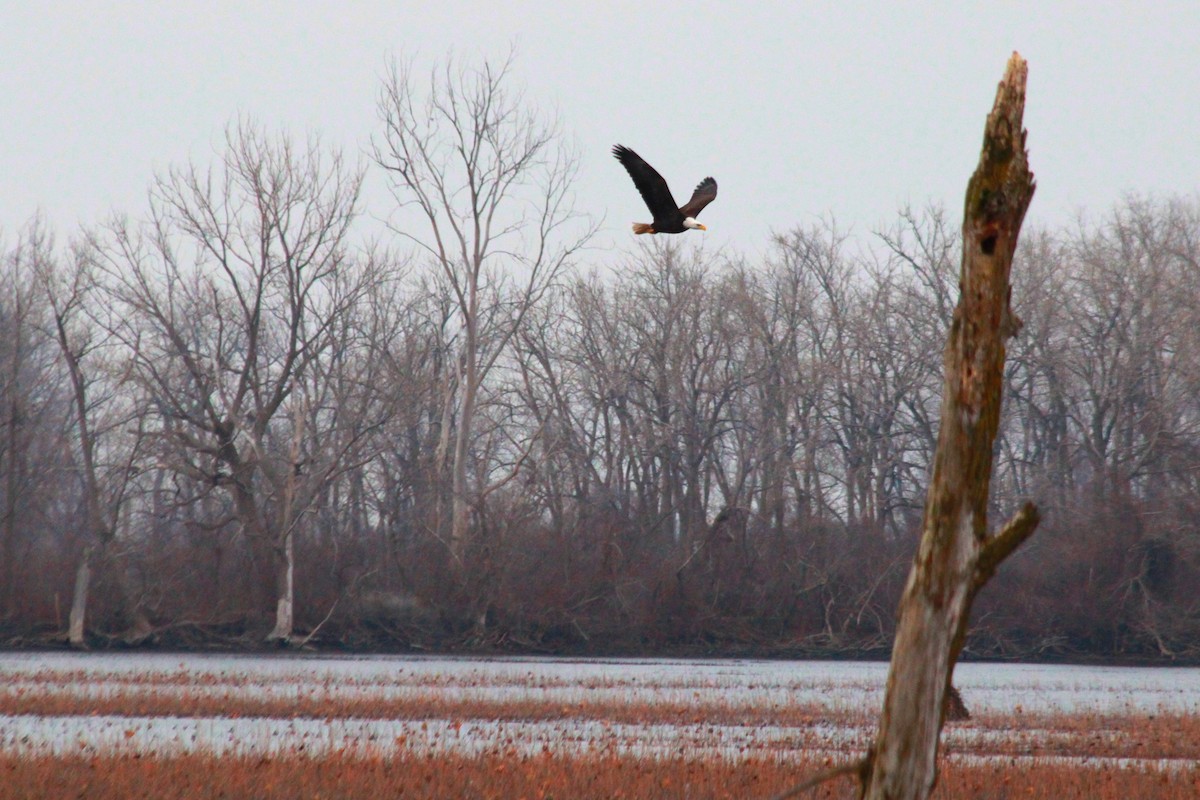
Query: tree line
[[229, 419]]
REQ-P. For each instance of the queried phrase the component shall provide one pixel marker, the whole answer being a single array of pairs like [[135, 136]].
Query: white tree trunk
[[83, 580], [285, 566], [460, 508]]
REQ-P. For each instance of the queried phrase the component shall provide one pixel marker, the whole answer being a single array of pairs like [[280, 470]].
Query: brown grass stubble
[[511, 775], [503, 776], [143, 704], [1152, 736]]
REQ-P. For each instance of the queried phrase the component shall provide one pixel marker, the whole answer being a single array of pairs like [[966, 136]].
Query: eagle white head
[[690, 222]]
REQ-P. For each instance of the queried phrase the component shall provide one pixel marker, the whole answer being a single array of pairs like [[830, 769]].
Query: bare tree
[[108, 424], [231, 297], [957, 554], [35, 412], [489, 180]]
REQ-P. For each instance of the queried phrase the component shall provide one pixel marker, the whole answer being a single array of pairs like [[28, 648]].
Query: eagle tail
[[642, 227]]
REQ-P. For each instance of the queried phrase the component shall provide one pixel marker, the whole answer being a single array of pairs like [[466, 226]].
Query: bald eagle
[[668, 218]]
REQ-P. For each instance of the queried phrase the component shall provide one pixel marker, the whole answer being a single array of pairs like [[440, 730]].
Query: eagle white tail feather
[[642, 227]]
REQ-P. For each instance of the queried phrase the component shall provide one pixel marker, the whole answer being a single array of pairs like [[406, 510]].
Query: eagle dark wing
[[705, 193], [647, 180]]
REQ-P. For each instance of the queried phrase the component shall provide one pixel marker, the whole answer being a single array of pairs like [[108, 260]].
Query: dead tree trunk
[[957, 555], [79, 597]]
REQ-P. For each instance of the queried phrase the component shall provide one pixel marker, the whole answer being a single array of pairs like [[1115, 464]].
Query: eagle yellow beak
[[701, 227]]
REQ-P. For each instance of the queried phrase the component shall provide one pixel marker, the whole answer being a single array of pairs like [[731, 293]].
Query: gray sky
[[800, 110]]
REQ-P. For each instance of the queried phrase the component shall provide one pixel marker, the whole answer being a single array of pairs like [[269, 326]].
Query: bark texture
[[956, 555]]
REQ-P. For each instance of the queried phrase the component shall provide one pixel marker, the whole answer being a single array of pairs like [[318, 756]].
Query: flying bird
[[668, 218]]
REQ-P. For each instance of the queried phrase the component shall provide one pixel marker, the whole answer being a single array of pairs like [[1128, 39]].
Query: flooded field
[[722, 728]]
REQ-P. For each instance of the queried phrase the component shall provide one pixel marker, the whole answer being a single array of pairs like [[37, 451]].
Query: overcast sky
[[800, 110]]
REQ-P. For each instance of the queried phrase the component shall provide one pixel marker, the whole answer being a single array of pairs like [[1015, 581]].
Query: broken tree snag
[[956, 555]]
